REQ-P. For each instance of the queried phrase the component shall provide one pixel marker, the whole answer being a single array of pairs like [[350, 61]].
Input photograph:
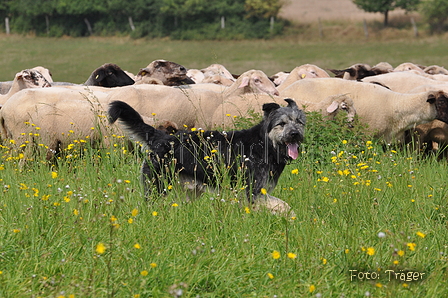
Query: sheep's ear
[[333, 107], [244, 83], [269, 107], [431, 98]]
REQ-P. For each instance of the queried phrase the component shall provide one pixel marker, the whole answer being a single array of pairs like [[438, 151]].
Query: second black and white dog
[[258, 154]]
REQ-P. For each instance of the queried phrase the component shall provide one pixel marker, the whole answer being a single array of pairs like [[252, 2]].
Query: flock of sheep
[[394, 102]]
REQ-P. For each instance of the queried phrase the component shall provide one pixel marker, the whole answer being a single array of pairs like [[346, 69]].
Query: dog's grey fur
[[260, 153]]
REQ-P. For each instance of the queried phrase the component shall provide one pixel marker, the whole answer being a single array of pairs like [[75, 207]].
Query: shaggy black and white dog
[[259, 154]]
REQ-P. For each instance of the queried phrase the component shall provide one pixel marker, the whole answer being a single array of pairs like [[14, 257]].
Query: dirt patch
[[306, 11]]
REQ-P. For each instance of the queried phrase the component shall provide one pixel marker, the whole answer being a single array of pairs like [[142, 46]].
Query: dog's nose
[[294, 134]]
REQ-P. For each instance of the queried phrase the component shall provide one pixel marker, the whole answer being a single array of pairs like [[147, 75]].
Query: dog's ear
[[291, 103], [269, 107]]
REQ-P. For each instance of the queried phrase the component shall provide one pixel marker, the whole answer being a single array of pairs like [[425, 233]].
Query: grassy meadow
[[371, 219]]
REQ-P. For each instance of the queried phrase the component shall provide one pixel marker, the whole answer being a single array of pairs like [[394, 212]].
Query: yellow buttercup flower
[[411, 246], [100, 248], [275, 255], [420, 234], [144, 273], [292, 255]]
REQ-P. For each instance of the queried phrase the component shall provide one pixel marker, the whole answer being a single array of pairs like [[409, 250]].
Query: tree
[[436, 14], [385, 6], [263, 8]]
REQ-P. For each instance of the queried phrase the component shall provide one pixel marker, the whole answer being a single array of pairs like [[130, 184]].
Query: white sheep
[[196, 75], [238, 107], [27, 78], [301, 72], [403, 81], [407, 66], [53, 116], [59, 110], [388, 114], [190, 106], [251, 81], [435, 69], [38, 71], [279, 77], [45, 72], [217, 69]]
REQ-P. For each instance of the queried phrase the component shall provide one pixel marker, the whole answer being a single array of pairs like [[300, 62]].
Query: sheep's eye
[[257, 80]]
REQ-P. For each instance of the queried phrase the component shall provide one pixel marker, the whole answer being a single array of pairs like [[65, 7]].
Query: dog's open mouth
[[293, 150]]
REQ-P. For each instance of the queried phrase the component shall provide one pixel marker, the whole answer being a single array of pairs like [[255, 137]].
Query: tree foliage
[[153, 18], [385, 6], [436, 14], [263, 8]]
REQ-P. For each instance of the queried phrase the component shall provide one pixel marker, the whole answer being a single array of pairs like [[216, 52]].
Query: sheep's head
[[310, 71], [355, 72], [256, 81], [435, 69], [30, 78], [217, 69], [440, 99], [109, 75], [341, 103], [168, 72]]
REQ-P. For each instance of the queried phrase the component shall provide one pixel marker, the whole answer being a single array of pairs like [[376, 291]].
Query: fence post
[[89, 27], [131, 23], [366, 31], [223, 22], [7, 25], [271, 26], [321, 32], [47, 23], [414, 26]]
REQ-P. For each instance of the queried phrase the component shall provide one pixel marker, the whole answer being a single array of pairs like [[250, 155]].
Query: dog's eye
[[282, 124]]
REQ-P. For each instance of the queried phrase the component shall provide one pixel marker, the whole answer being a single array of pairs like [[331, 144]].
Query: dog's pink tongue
[[293, 150]]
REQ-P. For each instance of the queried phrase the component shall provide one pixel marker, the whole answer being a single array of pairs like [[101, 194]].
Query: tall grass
[[80, 226]]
